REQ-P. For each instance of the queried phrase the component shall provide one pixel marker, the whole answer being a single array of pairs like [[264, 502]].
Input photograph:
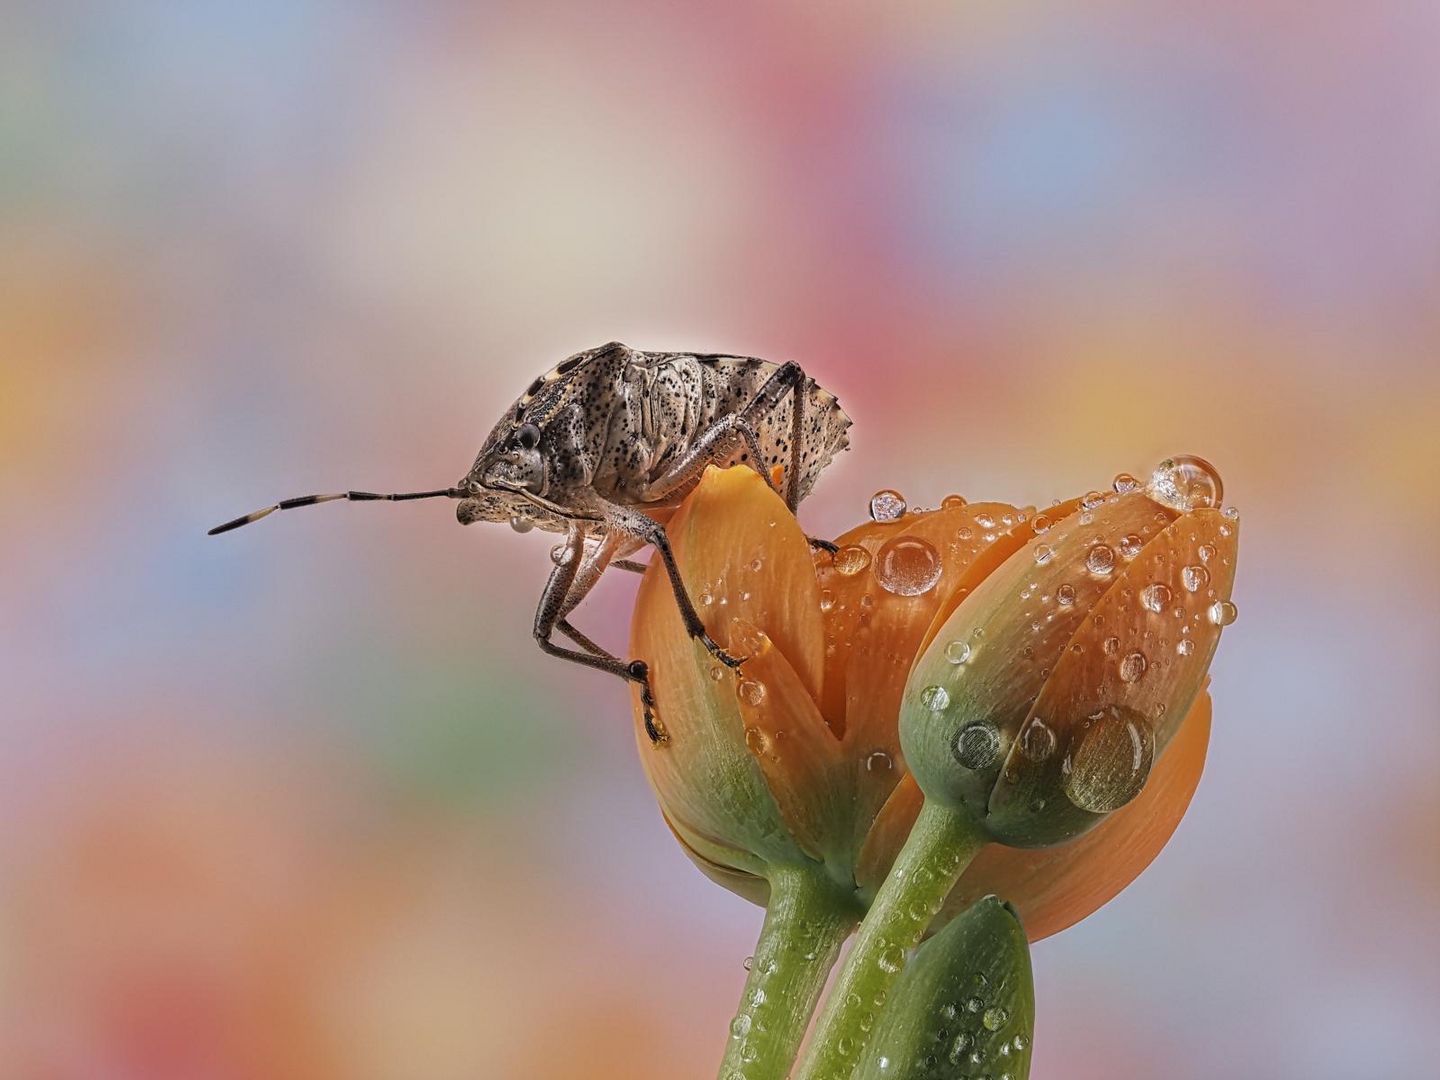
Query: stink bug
[[604, 445]]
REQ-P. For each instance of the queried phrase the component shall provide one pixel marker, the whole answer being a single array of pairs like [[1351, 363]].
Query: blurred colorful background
[[306, 802]]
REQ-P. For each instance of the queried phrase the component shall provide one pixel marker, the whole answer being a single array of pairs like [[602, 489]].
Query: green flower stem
[[806, 921], [939, 847]]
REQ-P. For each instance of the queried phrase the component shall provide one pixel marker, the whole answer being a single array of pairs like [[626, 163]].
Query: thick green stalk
[[939, 847], [806, 921]]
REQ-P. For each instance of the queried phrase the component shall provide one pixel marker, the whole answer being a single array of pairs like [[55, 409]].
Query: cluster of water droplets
[[973, 1032]]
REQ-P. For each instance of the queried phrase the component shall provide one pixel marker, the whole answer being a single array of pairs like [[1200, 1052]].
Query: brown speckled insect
[[612, 436]]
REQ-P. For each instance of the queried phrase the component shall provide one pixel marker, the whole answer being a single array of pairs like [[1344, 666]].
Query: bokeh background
[[306, 802]]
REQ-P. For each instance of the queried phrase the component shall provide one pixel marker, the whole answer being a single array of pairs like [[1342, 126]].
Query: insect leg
[[718, 444], [565, 589], [632, 522]]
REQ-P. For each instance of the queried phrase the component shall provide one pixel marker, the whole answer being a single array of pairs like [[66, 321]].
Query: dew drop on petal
[[1133, 666], [1091, 500], [1112, 761], [1194, 578], [1130, 546], [1124, 483], [887, 506], [1185, 483], [1041, 524], [907, 566], [1038, 740], [1043, 554], [1206, 552], [851, 560], [827, 599], [1185, 646], [977, 746], [957, 652], [879, 761], [1065, 595], [750, 691], [935, 698], [1154, 597], [1222, 613], [952, 502], [1111, 646], [1100, 560]]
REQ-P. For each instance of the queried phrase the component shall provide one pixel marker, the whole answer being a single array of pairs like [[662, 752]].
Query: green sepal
[[964, 1006]]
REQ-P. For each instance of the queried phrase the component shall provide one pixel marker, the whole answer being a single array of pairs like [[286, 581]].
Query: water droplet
[[750, 692], [717, 673], [1020, 1042], [957, 652], [1232, 513], [907, 566], [1065, 595], [1206, 552], [1130, 545], [706, 597], [1124, 483], [851, 560], [935, 698], [1037, 742], [960, 1047], [740, 1026], [887, 505], [1112, 761], [1155, 596], [1111, 646], [1195, 578], [1043, 554], [1133, 666], [1101, 560], [1185, 646], [1091, 500], [560, 554], [892, 959], [521, 524], [879, 761], [994, 1018], [1222, 613], [749, 963], [756, 740], [1041, 524], [827, 599], [1185, 483], [952, 502], [974, 1005], [748, 1054], [977, 746]]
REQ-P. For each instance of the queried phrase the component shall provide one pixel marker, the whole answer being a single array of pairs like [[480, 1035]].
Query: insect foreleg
[[569, 583], [631, 522]]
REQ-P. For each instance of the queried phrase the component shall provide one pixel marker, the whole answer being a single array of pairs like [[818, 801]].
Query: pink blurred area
[[305, 801]]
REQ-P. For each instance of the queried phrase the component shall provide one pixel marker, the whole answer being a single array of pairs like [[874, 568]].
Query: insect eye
[[528, 436]]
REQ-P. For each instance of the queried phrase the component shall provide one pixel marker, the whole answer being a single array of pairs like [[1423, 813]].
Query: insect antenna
[[352, 496]]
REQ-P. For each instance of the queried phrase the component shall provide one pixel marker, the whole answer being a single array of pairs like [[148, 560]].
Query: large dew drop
[[1185, 483], [851, 560], [977, 746], [1222, 613], [907, 566], [1111, 762], [887, 505]]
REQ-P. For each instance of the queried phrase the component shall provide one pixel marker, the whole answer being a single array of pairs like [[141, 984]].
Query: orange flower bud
[[796, 758], [1082, 656]]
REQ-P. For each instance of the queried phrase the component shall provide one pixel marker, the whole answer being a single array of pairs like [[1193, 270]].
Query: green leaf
[[964, 1006]]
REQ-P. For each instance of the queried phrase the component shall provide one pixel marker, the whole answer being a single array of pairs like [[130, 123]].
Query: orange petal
[[876, 631], [706, 778], [1056, 887], [795, 749], [887, 836]]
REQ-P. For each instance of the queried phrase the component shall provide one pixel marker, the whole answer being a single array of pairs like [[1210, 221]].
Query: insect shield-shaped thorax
[[614, 423]]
